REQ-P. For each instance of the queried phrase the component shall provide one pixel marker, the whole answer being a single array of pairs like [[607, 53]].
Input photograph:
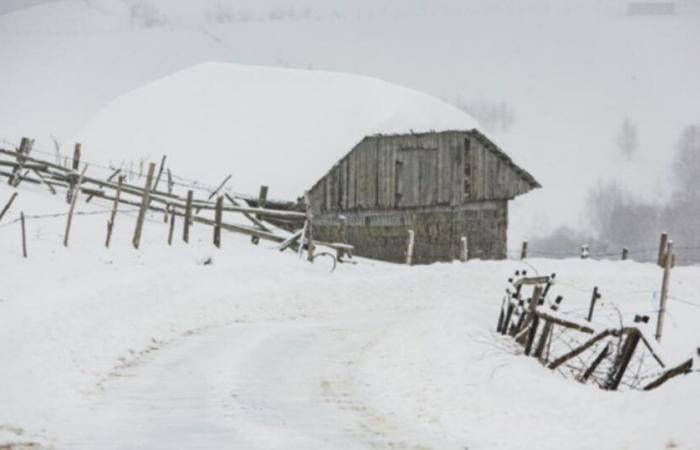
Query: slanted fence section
[[611, 358], [269, 220]]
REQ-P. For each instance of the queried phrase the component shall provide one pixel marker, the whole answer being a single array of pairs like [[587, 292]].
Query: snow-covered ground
[[155, 349]]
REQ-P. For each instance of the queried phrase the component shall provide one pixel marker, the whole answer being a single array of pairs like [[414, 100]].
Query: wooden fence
[[286, 223], [609, 357]]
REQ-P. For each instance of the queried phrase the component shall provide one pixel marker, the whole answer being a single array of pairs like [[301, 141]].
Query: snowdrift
[[280, 127]]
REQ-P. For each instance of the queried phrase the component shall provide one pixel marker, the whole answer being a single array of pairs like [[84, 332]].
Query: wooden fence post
[[24, 235], [625, 253], [595, 297], [262, 201], [523, 250], [113, 215], [76, 166], [409, 247], [144, 206], [218, 215], [534, 319], [599, 359], [24, 148], [172, 228], [7, 206], [310, 247], [188, 218], [663, 242], [464, 249], [664, 290], [71, 209], [628, 349]]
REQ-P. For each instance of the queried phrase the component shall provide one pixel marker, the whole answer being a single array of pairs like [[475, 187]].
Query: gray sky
[[13, 5]]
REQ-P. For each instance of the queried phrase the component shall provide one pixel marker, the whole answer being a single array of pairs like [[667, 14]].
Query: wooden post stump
[[663, 242]]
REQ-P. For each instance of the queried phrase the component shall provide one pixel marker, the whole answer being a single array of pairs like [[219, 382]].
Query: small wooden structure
[[445, 186]]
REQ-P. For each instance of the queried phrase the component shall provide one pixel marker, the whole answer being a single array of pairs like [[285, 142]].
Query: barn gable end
[[443, 186]]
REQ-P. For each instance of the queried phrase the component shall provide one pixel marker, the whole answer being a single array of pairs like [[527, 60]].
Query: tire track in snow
[[275, 385]]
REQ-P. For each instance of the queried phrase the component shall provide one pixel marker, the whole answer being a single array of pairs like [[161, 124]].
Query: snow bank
[[280, 127]]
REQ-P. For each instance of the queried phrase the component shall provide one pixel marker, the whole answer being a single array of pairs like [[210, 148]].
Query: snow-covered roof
[[280, 127]]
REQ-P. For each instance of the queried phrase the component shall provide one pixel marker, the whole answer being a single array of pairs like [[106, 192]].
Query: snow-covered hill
[[281, 127]]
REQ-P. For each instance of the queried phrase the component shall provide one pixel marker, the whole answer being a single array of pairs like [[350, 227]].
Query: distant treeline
[[621, 219]]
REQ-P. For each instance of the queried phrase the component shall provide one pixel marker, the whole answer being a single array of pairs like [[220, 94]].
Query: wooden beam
[[580, 349], [114, 174], [681, 369], [8, 205]]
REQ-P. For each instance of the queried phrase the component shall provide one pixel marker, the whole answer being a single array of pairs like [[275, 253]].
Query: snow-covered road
[[254, 386]]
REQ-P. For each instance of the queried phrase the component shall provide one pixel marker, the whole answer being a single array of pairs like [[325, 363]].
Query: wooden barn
[[443, 186]]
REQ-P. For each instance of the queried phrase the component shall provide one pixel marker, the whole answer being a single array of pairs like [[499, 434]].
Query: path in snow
[[253, 386]]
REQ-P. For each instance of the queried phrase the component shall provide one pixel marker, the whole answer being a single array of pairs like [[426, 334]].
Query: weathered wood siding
[[416, 170], [389, 184], [438, 232]]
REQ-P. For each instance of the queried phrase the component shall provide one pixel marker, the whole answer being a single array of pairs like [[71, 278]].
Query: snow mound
[[280, 127]]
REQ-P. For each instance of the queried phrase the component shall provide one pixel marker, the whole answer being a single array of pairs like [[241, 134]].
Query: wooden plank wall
[[426, 169]]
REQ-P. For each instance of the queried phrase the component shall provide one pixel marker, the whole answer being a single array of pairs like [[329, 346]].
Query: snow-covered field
[[189, 346], [154, 349]]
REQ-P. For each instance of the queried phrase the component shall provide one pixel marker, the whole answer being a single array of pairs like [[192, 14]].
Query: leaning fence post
[[74, 198], [668, 259], [7, 206], [113, 215], [409, 247], [172, 228], [464, 253], [663, 241], [628, 349], [188, 218], [523, 250], [218, 215], [24, 235], [625, 253], [144, 206]]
